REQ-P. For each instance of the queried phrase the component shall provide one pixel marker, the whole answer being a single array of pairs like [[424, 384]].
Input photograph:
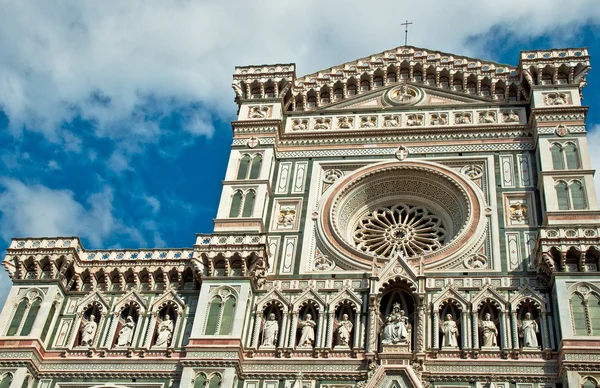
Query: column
[[544, 330], [475, 328], [294, 326], [330, 317], [150, 331], [464, 318], [319, 331], [502, 329], [372, 338], [421, 327], [114, 318], [256, 332], [515, 332], [282, 331], [436, 329], [356, 330]]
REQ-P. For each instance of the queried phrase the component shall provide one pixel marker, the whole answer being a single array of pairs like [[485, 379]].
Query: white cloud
[[36, 210], [55, 56]]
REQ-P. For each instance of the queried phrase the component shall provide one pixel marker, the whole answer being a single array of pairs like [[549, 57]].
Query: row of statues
[[307, 327], [528, 328], [125, 336]]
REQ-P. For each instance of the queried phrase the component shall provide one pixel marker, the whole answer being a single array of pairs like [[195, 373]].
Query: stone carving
[[332, 175], [489, 332], [345, 122], [270, 331], [307, 337], [403, 94], [344, 331], [401, 153], [252, 142], [287, 216], [487, 117], [511, 117], [561, 130], [449, 333], [126, 332], [463, 118], [323, 263], [414, 120], [165, 332], [300, 125], [390, 121], [527, 331], [259, 112], [368, 122], [395, 330], [476, 261], [438, 119], [473, 171], [518, 211], [88, 331], [556, 98], [322, 123]]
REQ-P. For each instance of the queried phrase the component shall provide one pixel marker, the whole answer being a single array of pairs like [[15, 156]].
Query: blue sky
[[114, 118]]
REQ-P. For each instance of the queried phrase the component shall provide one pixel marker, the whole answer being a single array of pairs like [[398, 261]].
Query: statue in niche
[[489, 332], [511, 117], [344, 331], [527, 330], [126, 332], [165, 332], [307, 338], [88, 331], [395, 330], [450, 333], [403, 94], [270, 331]]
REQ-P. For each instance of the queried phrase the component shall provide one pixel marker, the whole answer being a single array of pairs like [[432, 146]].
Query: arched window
[[215, 381], [236, 204], [248, 203], [255, 168], [221, 313], [589, 383], [212, 321], [243, 167], [562, 196], [325, 98], [351, 89], [338, 94], [31, 315], [378, 81], [6, 380], [227, 318], [18, 317], [571, 156], [365, 86], [200, 381], [594, 313], [577, 195], [558, 162], [578, 312]]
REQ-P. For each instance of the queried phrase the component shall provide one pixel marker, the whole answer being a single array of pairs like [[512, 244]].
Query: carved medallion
[[401, 153]]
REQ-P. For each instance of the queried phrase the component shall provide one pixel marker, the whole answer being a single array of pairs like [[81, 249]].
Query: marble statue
[[528, 331], [88, 331], [344, 330], [270, 331], [489, 332], [395, 330], [450, 333], [126, 332], [307, 338], [165, 332]]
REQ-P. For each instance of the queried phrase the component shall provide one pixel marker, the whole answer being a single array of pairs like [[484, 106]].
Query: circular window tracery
[[401, 229]]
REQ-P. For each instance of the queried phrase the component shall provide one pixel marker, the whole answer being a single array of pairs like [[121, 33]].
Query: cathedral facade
[[408, 219]]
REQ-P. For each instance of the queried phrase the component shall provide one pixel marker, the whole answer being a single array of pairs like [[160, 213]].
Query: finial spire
[[406, 24]]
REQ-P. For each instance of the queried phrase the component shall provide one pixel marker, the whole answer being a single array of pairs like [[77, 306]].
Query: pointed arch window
[[31, 315], [558, 162], [248, 203], [578, 315], [17, 318], [200, 381], [243, 167], [577, 195], [589, 383], [404, 74], [562, 196], [255, 167], [571, 156], [585, 314], [221, 314], [444, 82], [594, 311], [249, 167], [236, 203], [215, 381], [242, 203], [564, 155], [6, 380]]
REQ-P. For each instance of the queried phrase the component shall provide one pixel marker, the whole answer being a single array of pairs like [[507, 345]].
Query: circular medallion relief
[[414, 209], [403, 94]]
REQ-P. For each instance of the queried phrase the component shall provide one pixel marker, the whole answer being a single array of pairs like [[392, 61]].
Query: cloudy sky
[[114, 116]]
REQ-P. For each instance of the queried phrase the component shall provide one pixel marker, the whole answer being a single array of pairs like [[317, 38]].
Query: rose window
[[399, 229]]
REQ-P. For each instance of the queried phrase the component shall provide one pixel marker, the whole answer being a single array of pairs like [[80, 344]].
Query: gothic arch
[[273, 297], [489, 294], [345, 296], [309, 296], [450, 295], [527, 294]]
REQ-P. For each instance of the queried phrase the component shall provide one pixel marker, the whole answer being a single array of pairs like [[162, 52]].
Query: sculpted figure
[[259, 112], [344, 330], [165, 332], [511, 117], [527, 331], [395, 329], [270, 331], [450, 333], [88, 331], [344, 123], [299, 126], [391, 121], [489, 332], [321, 125], [126, 332], [308, 332]]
